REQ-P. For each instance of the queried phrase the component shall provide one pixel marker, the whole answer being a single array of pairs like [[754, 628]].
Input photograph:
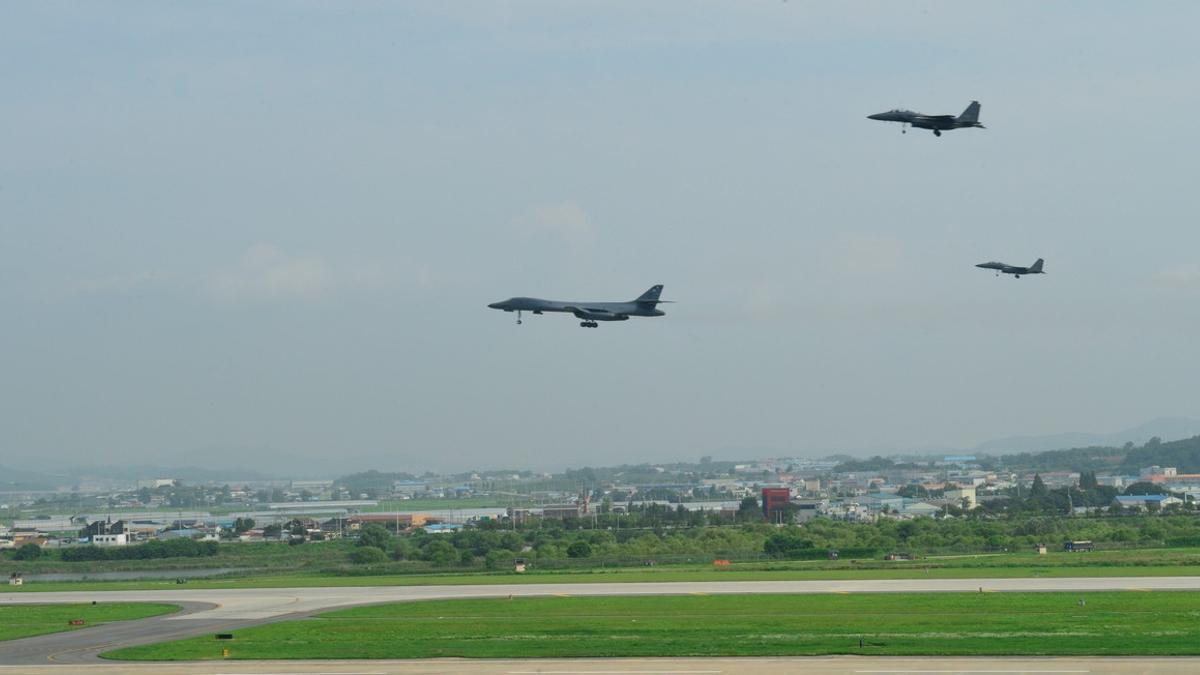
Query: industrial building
[[774, 501]]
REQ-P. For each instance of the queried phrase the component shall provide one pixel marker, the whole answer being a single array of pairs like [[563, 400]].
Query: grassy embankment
[[771, 625], [405, 505], [256, 558], [18, 621], [1120, 563]]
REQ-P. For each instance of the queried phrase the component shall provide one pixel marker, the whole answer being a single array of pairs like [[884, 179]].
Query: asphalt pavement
[[822, 665], [223, 610]]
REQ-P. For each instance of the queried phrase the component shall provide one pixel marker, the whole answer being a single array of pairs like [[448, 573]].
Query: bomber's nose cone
[[876, 116], [496, 305]]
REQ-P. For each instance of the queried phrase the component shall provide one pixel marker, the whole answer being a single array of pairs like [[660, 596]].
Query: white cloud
[[762, 301], [565, 221], [1180, 276], [265, 273], [115, 284], [863, 254]]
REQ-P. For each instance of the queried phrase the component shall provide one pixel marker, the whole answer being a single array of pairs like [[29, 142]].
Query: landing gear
[[903, 130], [518, 317], [1017, 276], [588, 324], [937, 132]]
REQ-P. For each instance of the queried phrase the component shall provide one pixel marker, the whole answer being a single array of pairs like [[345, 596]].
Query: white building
[[960, 493], [110, 539]]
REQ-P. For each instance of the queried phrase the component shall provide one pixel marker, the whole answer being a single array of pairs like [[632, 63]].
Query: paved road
[[831, 665], [222, 610]]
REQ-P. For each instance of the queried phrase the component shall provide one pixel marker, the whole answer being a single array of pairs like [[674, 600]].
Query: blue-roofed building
[[1145, 501]]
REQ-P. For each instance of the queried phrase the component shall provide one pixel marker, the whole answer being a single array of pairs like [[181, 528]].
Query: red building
[[774, 499]]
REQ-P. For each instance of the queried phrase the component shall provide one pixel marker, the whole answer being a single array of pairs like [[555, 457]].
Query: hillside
[[1184, 455], [1169, 428]]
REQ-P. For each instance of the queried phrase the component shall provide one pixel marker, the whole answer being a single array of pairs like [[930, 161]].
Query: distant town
[[785, 490]]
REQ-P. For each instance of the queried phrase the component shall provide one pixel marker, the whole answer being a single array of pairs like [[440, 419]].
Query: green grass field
[[765, 625], [18, 621], [1141, 562]]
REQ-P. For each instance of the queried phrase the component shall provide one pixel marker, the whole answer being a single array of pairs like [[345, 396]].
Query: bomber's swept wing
[[581, 311]]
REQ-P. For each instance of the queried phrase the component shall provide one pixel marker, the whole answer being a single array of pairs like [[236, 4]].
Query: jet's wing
[[587, 312], [596, 313]]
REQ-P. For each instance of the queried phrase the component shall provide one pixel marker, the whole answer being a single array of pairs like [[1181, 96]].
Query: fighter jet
[[1001, 268], [591, 312], [939, 123]]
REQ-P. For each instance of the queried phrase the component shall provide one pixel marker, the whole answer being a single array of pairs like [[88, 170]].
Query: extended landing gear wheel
[[902, 130], [936, 132], [588, 324], [518, 317]]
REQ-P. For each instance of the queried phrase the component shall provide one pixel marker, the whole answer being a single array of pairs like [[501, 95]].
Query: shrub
[[28, 552], [154, 549], [374, 535], [579, 549], [441, 552], [787, 544], [498, 558], [368, 555]]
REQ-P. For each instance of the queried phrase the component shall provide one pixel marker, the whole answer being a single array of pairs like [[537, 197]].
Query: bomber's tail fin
[[971, 114], [651, 295], [1036, 268]]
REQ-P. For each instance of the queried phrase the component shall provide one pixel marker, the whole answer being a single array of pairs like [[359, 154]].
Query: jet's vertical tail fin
[[650, 295], [971, 114], [1036, 267]]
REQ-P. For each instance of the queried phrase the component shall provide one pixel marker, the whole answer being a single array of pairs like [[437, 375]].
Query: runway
[[224, 610], [821, 665]]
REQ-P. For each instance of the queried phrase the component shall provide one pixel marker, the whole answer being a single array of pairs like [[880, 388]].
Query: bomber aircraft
[[939, 123], [1016, 271], [591, 312]]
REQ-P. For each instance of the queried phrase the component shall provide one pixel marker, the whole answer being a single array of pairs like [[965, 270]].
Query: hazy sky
[[266, 233]]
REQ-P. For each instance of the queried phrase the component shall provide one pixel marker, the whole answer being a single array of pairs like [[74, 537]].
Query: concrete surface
[[822, 665], [223, 610]]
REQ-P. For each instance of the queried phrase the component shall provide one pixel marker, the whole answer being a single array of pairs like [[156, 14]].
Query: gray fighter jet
[[939, 123], [591, 312], [1001, 268]]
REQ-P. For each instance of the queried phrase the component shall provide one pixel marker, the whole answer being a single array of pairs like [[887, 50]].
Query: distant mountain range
[[18, 480], [1166, 428]]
